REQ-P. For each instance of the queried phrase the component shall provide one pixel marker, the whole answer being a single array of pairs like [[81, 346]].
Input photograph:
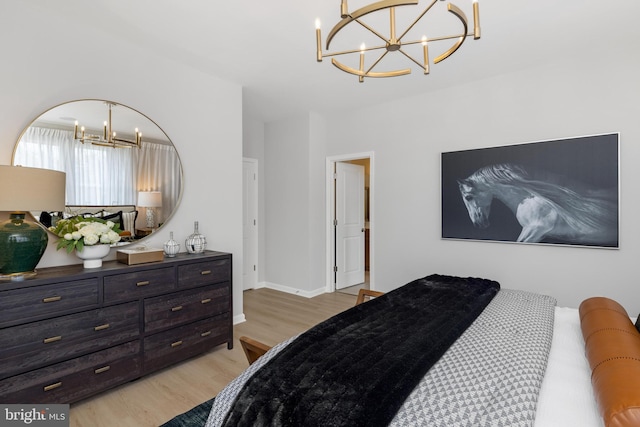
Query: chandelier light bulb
[[318, 41], [425, 53], [476, 20]]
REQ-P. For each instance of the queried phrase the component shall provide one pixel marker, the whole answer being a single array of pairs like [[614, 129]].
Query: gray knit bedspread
[[490, 376]]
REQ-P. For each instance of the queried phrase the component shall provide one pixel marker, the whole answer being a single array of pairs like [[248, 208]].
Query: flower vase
[[171, 247], [196, 243], [92, 255]]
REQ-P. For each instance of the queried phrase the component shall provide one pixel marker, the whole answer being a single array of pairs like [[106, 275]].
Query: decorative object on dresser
[[91, 256], [71, 333], [171, 247], [90, 237], [196, 243], [150, 200], [139, 255], [22, 242]]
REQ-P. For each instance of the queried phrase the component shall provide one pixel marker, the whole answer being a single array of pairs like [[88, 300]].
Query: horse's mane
[[580, 210]]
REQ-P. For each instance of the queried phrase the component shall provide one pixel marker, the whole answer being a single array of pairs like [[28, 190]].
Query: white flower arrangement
[[78, 232]]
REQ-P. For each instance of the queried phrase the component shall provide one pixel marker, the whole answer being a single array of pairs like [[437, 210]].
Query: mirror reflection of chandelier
[[393, 42], [108, 137]]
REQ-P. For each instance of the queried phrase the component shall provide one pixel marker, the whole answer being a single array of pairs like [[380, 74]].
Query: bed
[[520, 362], [123, 215]]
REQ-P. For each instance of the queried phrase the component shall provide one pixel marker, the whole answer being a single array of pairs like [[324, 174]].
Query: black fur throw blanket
[[358, 367]]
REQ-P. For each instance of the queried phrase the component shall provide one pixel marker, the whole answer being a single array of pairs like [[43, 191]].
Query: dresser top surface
[[52, 274]]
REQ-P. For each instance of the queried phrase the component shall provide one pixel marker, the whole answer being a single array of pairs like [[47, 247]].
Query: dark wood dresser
[[70, 333]]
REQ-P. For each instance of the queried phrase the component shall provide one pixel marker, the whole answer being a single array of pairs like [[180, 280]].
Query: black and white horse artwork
[[544, 209]]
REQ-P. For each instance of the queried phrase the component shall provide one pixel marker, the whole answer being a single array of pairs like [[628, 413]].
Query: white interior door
[[249, 224], [349, 224]]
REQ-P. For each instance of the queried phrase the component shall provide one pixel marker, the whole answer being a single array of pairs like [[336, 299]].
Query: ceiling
[[268, 47]]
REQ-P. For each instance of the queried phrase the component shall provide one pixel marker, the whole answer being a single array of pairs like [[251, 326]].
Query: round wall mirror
[[120, 165]]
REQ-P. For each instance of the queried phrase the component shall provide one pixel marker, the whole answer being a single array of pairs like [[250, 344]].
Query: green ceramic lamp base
[[22, 244]]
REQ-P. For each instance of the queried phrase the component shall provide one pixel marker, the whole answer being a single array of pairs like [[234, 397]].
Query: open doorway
[[350, 220]]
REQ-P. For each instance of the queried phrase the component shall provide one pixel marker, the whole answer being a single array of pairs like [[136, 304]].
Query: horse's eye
[[468, 197]]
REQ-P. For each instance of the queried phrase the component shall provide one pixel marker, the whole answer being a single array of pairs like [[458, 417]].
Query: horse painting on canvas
[[544, 209]]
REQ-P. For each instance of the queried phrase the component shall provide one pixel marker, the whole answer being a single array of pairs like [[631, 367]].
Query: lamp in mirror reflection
[[394, 40], [23, 242], [150, 200], [109, 138]]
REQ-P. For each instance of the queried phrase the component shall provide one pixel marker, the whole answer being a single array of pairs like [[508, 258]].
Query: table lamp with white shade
[[150, 200], [23, 242]]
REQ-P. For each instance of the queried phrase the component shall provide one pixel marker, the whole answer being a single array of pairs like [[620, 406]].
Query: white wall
[[294, 249], [578, 96], [49, 61], [287, 211], [316, 198]]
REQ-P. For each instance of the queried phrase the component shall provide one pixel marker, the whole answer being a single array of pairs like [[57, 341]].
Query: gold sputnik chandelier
[[393, 42], [109, 137]]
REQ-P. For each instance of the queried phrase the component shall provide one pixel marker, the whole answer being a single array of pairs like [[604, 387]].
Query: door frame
[[329, 215], [255, 202]]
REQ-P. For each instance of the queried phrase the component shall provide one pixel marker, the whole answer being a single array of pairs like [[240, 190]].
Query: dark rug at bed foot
[[195, 417]]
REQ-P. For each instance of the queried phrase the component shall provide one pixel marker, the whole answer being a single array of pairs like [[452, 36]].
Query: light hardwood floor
[[272, 317]]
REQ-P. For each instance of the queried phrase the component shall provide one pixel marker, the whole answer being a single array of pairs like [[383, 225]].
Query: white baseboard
[[239, 318], [294, 291]]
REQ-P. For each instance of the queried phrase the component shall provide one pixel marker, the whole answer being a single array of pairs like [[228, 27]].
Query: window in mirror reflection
[[105, 176]]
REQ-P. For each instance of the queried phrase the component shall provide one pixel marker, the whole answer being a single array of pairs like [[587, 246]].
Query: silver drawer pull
[[206, 300], [176, 344], [205, 272], [145, 283], [176, 308], [51, 299], [101, 327], [52, 339], [204, 334], [103, 369], [53, 386]]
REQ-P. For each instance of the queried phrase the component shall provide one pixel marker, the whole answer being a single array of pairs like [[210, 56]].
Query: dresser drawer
[[186, 306], [74, 379], [36, 344], [177, 344], [204, 273], [130, 286], [24, 304]]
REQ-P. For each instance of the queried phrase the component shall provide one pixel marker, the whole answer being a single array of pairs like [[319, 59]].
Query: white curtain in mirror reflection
[[103, 175]]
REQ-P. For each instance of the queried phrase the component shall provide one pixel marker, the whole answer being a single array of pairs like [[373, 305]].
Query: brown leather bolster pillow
[[612, 346]]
